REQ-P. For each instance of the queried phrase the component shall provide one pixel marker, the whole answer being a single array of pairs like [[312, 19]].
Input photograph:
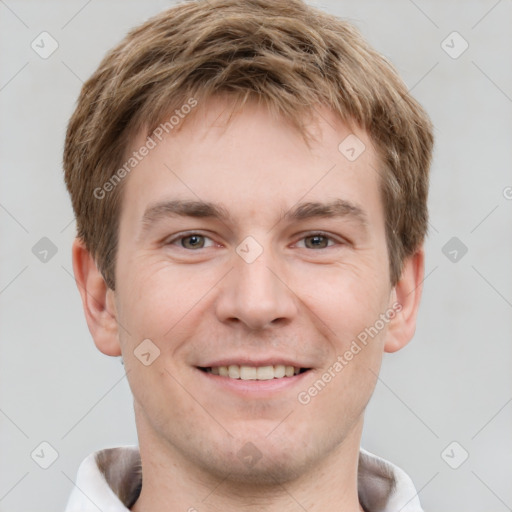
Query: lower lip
[[255, 387]]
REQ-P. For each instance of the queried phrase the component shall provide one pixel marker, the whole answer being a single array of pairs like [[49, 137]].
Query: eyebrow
[[340, 208], [183, 208], [335, 208]]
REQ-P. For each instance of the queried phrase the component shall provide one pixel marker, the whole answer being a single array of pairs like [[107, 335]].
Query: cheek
[[159, 299], [349, 312], [347, 300], [349, 305]]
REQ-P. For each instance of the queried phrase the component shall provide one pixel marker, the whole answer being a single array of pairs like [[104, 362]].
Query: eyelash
[[330, 238]]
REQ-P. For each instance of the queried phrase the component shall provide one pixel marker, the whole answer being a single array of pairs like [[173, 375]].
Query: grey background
[[452, 383]]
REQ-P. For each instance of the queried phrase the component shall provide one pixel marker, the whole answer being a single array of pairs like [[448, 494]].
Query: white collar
[[110, 480]]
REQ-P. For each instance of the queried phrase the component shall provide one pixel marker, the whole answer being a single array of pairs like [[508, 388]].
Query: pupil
[[193, 241], [317, 241]]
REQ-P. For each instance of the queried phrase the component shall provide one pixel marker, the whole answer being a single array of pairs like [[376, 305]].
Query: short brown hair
[[288, 55]]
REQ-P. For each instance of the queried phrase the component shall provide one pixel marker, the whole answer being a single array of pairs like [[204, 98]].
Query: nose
[[256, 294]]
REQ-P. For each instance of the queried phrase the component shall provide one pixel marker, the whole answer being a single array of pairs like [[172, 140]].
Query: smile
[[242, 372]]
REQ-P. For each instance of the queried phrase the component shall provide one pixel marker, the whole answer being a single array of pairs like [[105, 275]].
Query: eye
[[316, 241], [192, 241]]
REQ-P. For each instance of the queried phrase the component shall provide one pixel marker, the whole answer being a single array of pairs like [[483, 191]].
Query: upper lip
[[248, 361]]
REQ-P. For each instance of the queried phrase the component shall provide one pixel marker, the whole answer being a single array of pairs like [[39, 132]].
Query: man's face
[[269, 282]]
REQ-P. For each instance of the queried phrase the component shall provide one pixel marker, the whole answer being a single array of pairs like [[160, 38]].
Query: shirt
[[110, 480]]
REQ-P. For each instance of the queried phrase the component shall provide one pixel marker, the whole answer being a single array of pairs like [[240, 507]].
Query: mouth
[[242, 372]]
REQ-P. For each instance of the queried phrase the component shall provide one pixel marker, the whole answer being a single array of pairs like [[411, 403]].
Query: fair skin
[[318, 283]]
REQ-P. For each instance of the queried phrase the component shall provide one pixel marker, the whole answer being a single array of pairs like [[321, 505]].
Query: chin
[[264, 466]]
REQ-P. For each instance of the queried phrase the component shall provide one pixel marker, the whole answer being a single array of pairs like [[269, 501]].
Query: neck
[[173, 483]]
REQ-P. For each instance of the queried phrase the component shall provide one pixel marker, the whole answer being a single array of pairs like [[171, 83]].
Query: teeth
[[279, 371], [265, 373], [248, 373], [235, 371]]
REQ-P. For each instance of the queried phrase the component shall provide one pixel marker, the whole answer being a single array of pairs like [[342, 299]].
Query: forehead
[[252, 158]]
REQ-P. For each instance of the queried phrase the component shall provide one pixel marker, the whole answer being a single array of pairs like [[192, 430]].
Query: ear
[[97, 299], [406, 294]]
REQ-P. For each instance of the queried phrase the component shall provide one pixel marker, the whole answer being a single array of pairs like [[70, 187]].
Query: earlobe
[[97, 300], [407, 294]]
